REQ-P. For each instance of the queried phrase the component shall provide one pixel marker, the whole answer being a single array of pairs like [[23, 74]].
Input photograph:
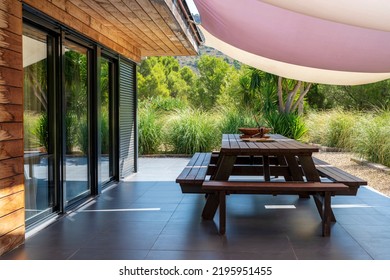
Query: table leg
[[222, 212], [282, 162], [267, 175], [294, 168], [319, 201], [210, 207], [327, 214], [223, 170], [309, 168]]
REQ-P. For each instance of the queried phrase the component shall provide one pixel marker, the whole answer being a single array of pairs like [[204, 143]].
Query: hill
[[191, 61]]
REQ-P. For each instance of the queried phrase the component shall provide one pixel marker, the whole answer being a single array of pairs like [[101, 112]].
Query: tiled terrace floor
[[147, 217]]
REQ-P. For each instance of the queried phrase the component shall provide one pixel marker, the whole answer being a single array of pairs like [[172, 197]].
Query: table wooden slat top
[[233, 144]]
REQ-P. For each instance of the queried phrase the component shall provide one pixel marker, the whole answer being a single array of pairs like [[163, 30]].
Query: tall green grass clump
[[317, 126], [193, 131], [149, 130], [334, 128], [232, 119], [340, 129], [372, 138], [290, 125]]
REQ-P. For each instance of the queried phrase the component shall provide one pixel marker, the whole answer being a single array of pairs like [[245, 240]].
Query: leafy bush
[[193, 131], [149, 130], [41, 131], [290, 125]]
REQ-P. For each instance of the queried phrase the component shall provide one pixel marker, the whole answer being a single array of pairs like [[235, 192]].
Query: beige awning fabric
[[33, 51], [303, 41], [292, 71]]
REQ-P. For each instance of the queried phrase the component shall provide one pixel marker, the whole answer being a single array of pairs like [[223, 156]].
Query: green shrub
[[149, 130], [41, 131], [193, 131], [290, 125]]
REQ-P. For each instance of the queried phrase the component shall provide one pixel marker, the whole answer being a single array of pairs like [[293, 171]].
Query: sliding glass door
[[107, 119], [70, 119], [76, 122], [38, 149]]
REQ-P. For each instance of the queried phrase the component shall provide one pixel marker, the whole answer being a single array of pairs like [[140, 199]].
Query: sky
[[192, 7]]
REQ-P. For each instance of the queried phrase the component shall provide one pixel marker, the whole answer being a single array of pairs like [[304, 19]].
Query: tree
[[154, 84], [361, 97], [213, 77], [163, 77], [291, 95]]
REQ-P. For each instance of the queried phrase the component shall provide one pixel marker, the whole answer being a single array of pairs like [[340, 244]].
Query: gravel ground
[[376, 179]]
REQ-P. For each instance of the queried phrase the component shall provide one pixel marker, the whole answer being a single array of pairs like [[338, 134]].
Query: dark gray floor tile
[[109, 228], [109, 254], [130, 241], [180, 242], [184, 255]]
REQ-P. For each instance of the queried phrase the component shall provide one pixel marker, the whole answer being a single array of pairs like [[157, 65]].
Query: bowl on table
[[258, 132]]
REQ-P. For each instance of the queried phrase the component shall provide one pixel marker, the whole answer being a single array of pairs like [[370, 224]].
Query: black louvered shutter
[[127, 118]]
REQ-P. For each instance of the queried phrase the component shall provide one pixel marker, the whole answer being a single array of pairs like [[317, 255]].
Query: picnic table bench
[[303, 175]]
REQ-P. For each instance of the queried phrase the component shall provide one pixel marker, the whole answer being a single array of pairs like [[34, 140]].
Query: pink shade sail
[[292, 71], [290, 38]]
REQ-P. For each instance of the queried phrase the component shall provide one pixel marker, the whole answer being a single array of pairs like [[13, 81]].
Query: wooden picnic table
[[275, 166], [277, 156]]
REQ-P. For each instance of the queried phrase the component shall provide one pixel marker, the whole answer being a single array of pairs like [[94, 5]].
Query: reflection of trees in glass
[[76, 82], [76, 89], [104, 105], [35, 105], [35, 84]]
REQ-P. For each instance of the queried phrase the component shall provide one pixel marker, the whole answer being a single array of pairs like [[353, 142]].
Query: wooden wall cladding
[[12, 240], [12, 227], [11, 185]]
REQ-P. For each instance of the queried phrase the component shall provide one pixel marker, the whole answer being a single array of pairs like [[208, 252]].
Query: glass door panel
[[38, 154], [76, 165], [107, 88]]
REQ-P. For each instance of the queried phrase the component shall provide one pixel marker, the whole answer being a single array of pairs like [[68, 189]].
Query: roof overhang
[[138, 27]]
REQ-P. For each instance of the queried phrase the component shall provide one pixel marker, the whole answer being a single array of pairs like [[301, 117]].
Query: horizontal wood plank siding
[[11, 95], [12, 227], [11, 185], [72, 15], [11, 221], [12, 240], [11, 149]]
